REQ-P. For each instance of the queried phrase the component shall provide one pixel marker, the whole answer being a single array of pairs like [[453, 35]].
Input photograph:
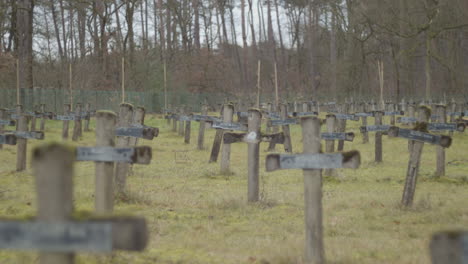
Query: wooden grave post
[[19, 112], [77, 127], [378, 115], [22, 143], [105, 155], [330, 122], [253, 138], [449, 247], [187, 132], [253, 155], [219, 133], [43, 119], [181, 121], [440, 151], [201, 129], [285, 128], [365, 135], [87, 117], [121, 169], [284, 121], [34, 115], [311, 161], [226, 149], [341, 126], [66, 112], [419, 136], [54, 233], [174, 120]]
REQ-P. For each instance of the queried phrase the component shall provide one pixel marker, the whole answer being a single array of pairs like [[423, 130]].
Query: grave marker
[[121, 169], [201, 129], [105, 155], [54, 233], [330, 122], [312, 163], [66, 112], [378, 116], [77, 131], [219, 132], [418, 137]]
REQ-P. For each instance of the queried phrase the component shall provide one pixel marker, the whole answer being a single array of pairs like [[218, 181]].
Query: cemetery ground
[[197, 215]]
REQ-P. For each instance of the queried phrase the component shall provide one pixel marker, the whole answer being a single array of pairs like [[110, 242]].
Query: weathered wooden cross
[[311, 161], [126, 130], [54, 232], [417, 136], [105, 155], [253, 138]]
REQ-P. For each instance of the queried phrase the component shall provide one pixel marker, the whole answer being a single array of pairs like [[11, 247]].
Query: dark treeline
[[321, 49]]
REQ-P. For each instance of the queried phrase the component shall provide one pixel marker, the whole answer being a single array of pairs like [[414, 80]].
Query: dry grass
[[197, 215]]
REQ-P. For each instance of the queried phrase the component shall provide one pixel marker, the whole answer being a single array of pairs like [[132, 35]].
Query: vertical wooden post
[[314, 252], [285, 128], [413, 164], [53, 169], [174, 122], [77, 127], [269, 109], [305, 107], [104, 188], [21, 143], [441, 118], [19, 112], [88, 117], [392, 117], [201, 129], [378, 115], [66, 112], [342, 125], [3, 116], [226, 150], [33, 119], [411, 113], [181, 123], [187, 132], [453, 108], [137, 119], [253, 155], [365, 134], [121, 169], [330, 144], [42, 125]]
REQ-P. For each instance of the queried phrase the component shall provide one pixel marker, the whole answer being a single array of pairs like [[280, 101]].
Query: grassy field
[[197, 215]]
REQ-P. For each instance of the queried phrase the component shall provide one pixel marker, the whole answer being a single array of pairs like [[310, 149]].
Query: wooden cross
[[417, 137], [312, 162], [22, 135], [125, 131], [54, 232], [228, 110], [253, 138], [105, 155]]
